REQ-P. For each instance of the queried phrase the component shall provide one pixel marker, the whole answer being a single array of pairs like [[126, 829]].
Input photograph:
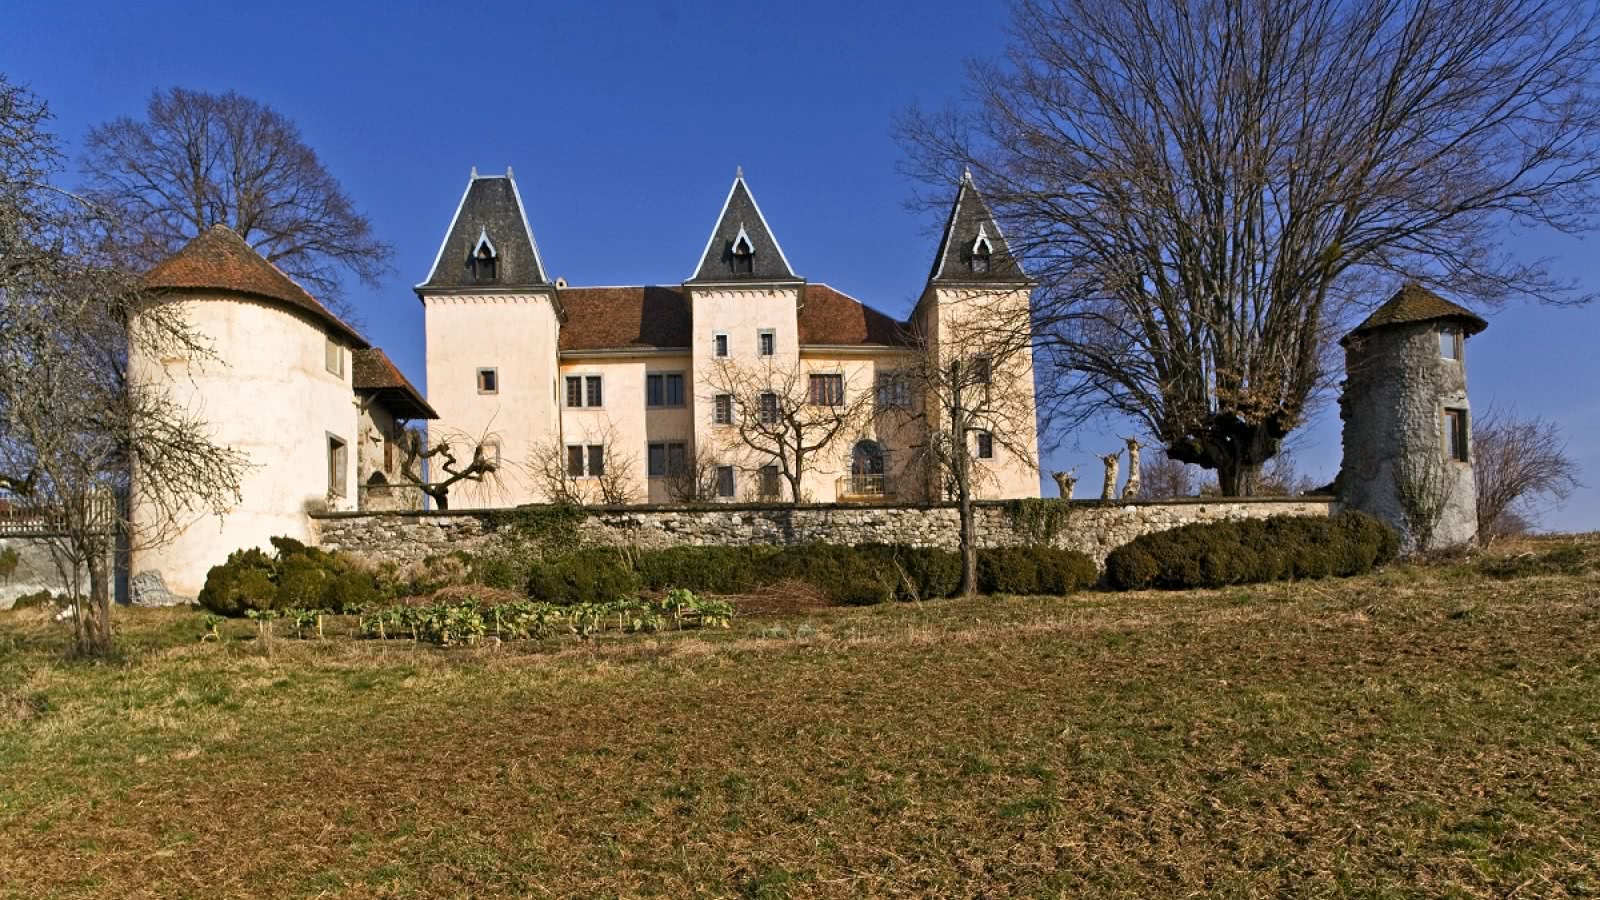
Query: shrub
[[1034, 570], [1214, 554], [296, 577], [301, 581], [240, 585], [715, 570], [350, 592], [587, 576], [38, 599]]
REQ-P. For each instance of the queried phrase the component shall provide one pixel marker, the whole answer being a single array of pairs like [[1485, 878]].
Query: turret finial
[[474, 171], [738, 171]]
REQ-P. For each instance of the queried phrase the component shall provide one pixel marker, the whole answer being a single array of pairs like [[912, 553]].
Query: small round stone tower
[[1407, 424]]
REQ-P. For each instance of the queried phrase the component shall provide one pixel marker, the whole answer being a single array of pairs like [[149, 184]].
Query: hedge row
[[296, 576], [1215, 554]]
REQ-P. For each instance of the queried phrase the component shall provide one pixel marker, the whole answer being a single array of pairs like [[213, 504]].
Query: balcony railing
[[865, 487]]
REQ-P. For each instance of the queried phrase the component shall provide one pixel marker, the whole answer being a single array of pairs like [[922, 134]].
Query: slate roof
[[618, 318], [970, 216], [741, 215], [491, 206], [373, 372], [659, 318], [1414, 303], [219, 259], [830, 317]]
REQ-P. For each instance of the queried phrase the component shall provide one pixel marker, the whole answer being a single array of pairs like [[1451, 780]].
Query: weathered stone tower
[[1407, 424]]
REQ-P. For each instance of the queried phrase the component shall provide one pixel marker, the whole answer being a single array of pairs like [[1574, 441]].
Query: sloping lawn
[[1424, 732]]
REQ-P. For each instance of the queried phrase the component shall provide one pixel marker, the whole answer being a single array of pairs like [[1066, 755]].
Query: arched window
[[866, 458]]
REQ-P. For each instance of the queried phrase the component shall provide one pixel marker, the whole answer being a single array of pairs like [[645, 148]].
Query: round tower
[[1407, 423]]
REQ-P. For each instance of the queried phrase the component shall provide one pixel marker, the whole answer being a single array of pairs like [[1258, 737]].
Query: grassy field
[[1424, 732]]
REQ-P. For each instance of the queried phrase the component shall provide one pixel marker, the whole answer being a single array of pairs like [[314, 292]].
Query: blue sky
[[624, 122]]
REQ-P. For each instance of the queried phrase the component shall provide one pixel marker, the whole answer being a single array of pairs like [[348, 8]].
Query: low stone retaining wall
[[1093, 527]]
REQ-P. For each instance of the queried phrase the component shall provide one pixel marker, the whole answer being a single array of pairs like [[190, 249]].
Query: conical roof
[[1414, 303], [972, 231], [490, 213], [741, 224], [219, 259]]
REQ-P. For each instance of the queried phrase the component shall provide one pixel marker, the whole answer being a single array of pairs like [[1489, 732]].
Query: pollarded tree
[[77, 421], [782, 415], [198, 159], [1518, 464], [1206, 188]]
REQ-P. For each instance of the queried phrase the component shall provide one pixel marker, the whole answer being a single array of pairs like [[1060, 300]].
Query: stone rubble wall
[[1093, 527]]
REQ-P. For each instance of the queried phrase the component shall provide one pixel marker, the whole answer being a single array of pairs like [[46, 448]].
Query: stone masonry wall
[[1092, 527]]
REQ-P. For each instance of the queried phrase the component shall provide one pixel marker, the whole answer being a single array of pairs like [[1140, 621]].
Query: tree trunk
[[1239, 479], [96, 639], [969, 541]]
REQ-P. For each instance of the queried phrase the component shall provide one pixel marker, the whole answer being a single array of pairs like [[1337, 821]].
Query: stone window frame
[[666, 469], [333, 356], [983, 440], [586, 458], [722, 409], [1457, 345], [818, 392], [586, 390], [732, 478], [767, 342], [338, 465], [493, 381], [721, 345], [665, 375]]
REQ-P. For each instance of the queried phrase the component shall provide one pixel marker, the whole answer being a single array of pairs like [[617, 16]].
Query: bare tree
[[695, 479], [444, 468], [1208, 189], [973, 382], [1518, 465], [588, 467], [198, 159], [1164, 478], [779, 414], [79, 414]]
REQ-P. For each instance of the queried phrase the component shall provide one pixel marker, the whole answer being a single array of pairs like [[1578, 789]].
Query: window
[[488, 381], [725, 481], [1450, 343], [491, 452], [337, 457], [985, 445], [1455, 434], [894, 390], [719, 345], [663, 389], [766, 342], [586, 461], [388, 453], [584, 390], [978, 258], [979, 262], [666, 458], [333, 356], [483, 265], [744, 254], [769, 482], [769, 408], [827, 390], [722, 409], [982, 369]]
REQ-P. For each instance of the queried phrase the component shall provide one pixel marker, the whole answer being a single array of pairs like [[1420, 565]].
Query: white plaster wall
[[269, 396], [900, 435], [517, 335], [625, 420]]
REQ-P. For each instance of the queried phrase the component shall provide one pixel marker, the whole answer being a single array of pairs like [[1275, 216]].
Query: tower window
[[338, 461], [768, 410], [743, 254], [483, 258], [1456, 434], [719, 345], [985, 445], [982, 250], [1450, 343], [488, 381], [766, 342], [722, 409]]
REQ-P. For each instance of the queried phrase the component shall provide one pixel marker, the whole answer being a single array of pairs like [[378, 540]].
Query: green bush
[[1034, 570], [713, 570], [38, 599], [587, 576], [294, 577], [1215, 554]]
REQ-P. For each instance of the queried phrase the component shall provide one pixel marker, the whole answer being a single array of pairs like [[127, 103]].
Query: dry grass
[[1422, 732]]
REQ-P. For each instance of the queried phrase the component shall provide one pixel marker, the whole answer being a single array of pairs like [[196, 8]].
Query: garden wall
[[1093, 527]]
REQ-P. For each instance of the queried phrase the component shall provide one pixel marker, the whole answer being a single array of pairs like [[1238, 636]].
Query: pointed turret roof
[[741, 221], [972, 230], [490, 215], [1414, 303], [220, 260]]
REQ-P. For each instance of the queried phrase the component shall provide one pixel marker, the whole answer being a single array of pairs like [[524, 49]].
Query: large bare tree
[[1208, 190], [781, 418], [198, 159], [78, 416]]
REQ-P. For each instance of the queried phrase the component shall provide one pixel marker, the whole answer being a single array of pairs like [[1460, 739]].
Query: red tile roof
[[625, 318], [373, 371], [830, 317], [644, 318], [1415, 303], [219, 259]]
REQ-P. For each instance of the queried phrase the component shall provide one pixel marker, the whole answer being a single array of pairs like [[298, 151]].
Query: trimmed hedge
[[1216, 554], [294, 576], [597, 575], [1034, 570]]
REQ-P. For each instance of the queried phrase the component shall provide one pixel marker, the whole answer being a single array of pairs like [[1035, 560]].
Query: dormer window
[[744, 254], [982, 251], [483, 259]]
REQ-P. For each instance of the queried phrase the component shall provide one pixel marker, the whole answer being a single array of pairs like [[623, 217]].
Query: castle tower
[[976, 306], [1407, 423], [492, 321]]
